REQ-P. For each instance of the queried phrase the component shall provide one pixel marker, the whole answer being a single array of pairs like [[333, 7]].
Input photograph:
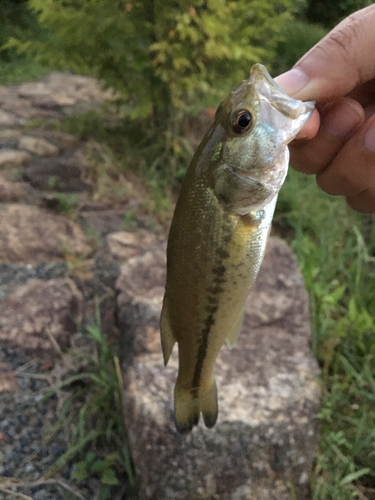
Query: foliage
[[330, 12], [20, 70], [165, 58], [99, 443], [335, 248], [66, 203], [299, 37], [160, 55], [16, 20]]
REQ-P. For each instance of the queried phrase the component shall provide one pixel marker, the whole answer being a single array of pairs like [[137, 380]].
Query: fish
[[219, 231]]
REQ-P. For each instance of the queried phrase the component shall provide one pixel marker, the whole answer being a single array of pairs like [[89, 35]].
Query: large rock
[[56, 174], [13, 158], [50, 97], [11, 191], [125, 244], [37, 146], [31, 235], [41, 316], [266, 435]]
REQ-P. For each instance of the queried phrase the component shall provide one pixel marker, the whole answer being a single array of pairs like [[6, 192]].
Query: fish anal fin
[[167, 338], [235, 330], [190, 403]]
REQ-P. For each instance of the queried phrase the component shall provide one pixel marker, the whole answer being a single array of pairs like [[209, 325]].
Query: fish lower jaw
[[256, 211]]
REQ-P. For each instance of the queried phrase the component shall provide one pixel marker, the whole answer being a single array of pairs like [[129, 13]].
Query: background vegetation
[[169, 60]]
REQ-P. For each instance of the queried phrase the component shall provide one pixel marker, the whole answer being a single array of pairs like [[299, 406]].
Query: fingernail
[[292, 81], [369, 139], [341, 119]]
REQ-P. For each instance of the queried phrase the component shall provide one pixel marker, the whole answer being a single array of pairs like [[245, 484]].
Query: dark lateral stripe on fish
[[218, 271], [209, 322], [215, 290], [223, 254], [212, 309], [213, 299]]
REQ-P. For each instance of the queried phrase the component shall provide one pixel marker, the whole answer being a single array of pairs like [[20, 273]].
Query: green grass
[[335, 248], [93, 411]]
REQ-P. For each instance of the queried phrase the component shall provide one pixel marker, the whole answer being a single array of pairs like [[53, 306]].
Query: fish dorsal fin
[[235, 330], [167, 338]]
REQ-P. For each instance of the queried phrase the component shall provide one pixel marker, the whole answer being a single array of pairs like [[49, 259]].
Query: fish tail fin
[[167, 338], [190, 403], [208, 404]]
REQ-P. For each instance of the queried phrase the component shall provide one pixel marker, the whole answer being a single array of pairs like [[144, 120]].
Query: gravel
[[25, 421], [13, 275]]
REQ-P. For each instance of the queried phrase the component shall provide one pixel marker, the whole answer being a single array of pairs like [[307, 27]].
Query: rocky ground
[[54, 271], [51, 271]]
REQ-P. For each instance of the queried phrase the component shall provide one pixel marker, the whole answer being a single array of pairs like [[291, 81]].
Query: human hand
[[338, 141]]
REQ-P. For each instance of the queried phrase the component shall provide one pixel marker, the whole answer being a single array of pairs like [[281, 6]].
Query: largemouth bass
[[219, 231]]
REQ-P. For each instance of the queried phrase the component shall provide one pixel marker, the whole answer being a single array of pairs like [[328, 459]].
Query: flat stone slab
[[266, 435], [11, 191], [13, 158], [56, 174], [31, 235], [40, 316], [125, 244], [51, 96], [38, 146]]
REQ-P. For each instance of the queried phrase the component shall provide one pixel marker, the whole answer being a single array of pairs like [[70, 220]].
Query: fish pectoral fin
[[235, 330], [167, 338]]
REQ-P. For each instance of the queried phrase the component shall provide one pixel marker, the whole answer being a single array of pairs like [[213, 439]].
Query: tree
[[162, 55], [330, 12]]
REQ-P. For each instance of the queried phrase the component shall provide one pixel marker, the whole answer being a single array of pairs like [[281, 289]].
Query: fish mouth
[[276, 107], [268, 89]]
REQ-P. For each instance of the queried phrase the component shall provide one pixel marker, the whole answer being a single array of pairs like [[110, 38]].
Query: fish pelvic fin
[[167, 338], [190, 403]]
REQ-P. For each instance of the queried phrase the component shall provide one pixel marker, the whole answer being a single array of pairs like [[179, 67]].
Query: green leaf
[[100, 465], [109, 477], [354, 475], [105, 493], [81, 472]]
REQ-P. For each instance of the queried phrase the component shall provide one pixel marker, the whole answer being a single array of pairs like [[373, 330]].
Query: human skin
[[337, 144]]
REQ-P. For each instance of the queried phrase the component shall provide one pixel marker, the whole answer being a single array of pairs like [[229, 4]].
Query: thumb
[[338, 63]]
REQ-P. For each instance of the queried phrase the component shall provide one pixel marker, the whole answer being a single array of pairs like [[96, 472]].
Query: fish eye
[[242, 121]]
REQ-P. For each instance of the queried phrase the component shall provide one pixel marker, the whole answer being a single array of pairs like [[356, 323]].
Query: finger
[[339, 121], [364, 94], [363, 202], [352, 171], [338, 63], [369, 111], [311, 127]]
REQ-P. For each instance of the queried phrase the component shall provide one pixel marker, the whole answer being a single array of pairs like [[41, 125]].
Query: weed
[[130, 219], [336, 257], [98, 443], [66, 203]]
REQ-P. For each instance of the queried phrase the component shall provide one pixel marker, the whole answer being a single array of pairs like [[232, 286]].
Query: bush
[[299, 37], [330, 12], [160, 55], [16, 20]]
